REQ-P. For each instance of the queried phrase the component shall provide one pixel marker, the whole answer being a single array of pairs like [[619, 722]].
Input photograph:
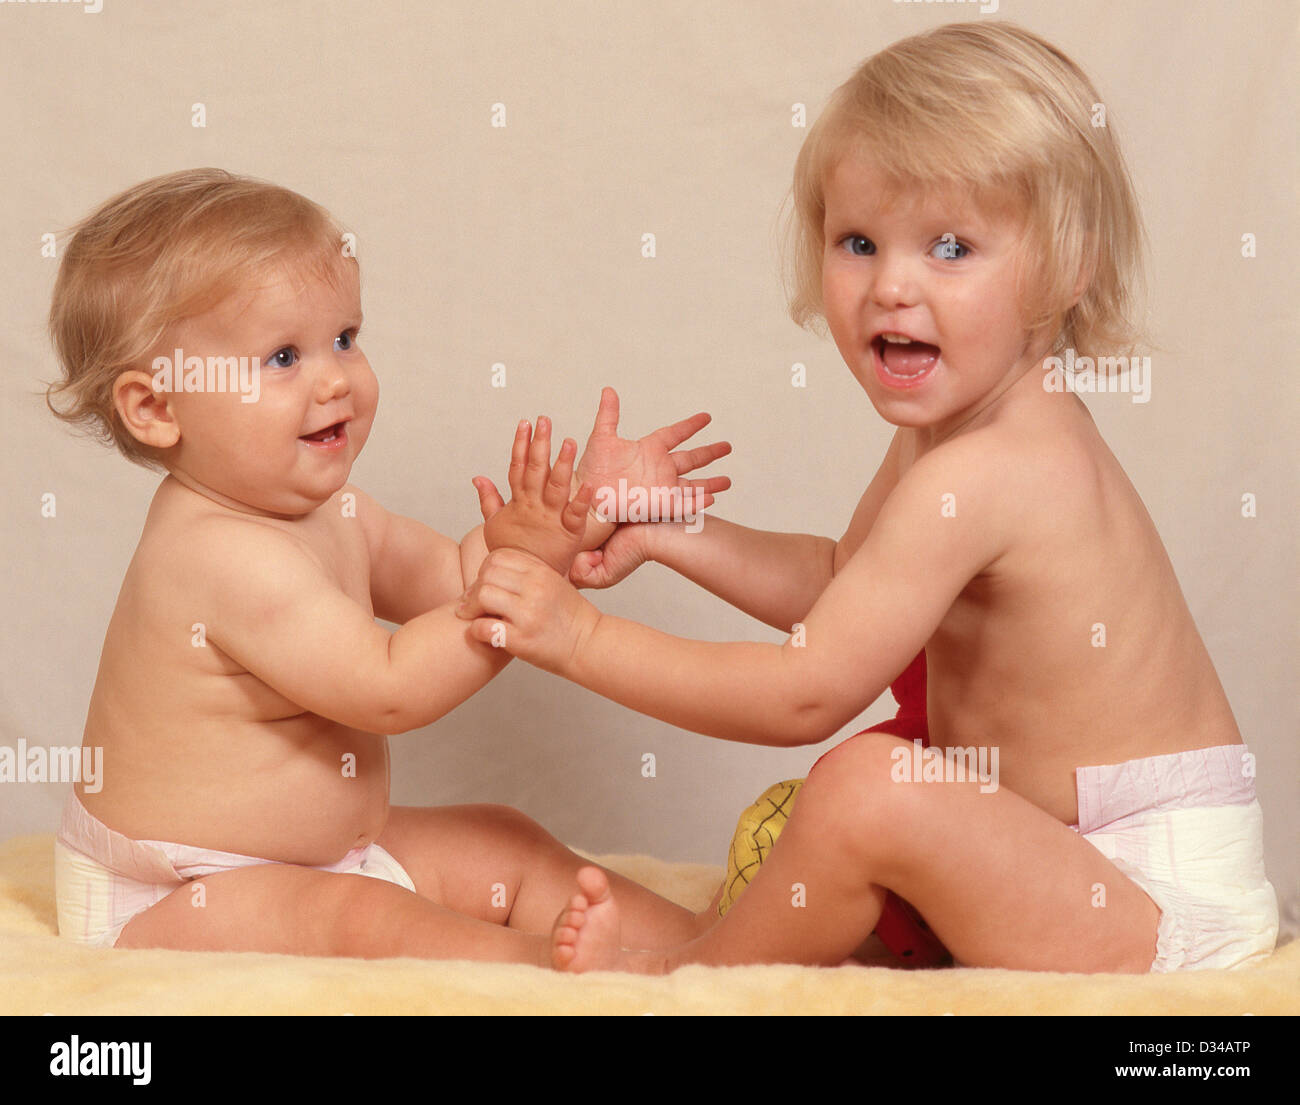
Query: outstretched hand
[[650, 462], [540, 518]]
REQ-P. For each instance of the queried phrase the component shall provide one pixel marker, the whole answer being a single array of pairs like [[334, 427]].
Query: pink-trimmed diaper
[[1188, 830], [102, 879]]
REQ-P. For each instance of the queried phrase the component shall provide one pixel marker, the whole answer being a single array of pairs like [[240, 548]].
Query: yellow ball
[[756, 833]]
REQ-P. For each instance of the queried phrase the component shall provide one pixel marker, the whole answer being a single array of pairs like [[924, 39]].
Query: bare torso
[[1076, 646], [199, 751]]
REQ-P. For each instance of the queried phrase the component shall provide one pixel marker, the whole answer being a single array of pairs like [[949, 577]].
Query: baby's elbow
[[807, 708], [807, 720], [398, 707], [395, 703], [374, 713], [401, 712], [389, 707], [393, 721]]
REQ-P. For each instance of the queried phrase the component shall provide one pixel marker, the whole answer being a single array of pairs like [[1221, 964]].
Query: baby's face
[[293, 446], [930, 268]]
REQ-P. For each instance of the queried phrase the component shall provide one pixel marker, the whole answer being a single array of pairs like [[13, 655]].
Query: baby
[[207, 325], [960, 217]]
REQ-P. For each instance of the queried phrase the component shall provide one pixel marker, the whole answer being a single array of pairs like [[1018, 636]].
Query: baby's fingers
[[539, 458], [485, 599], [489, 498], [556, 492], [586, 568], [491, 631], [574, 518], [698, 494], [470, 605], [672, 436], [711, 484], [687, 460], [519, 457], [694, 500], [606, 414]]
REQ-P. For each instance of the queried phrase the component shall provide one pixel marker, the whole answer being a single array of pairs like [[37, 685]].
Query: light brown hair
[[163, 251]]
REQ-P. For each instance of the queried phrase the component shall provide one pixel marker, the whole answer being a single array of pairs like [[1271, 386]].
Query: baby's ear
[[145, 410]]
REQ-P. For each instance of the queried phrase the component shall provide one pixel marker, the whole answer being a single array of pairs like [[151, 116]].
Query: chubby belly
[[298, 790]]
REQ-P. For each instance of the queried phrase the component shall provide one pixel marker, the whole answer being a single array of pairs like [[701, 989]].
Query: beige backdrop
[[521, 245]]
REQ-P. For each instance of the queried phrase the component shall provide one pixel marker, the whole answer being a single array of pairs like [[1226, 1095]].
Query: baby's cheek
[[366, 405], [365, 391]]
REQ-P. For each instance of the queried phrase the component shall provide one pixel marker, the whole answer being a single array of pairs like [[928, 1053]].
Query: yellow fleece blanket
[[41, 973]]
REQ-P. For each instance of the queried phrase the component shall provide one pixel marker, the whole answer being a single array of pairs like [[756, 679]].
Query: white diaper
[[1187, 829], [102, 879]]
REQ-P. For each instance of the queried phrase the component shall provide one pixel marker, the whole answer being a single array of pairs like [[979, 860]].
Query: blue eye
[[277, 359], [949, 249], [343, 342], [859, 246]]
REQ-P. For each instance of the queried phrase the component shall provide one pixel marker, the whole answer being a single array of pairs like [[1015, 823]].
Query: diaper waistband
[[1180, 780], [162, 862], [83, 832]]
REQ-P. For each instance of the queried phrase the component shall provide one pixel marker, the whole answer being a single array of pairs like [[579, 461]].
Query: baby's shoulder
[[1012, 479], [1021, 455], [197, 547], [972, 463]]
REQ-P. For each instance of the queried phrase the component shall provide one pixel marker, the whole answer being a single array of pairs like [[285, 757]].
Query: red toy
[[901, 928]]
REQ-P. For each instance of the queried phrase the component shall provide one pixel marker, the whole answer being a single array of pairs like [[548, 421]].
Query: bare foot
[[586, 934]]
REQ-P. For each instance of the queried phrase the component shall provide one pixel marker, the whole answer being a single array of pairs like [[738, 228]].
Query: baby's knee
[[856, 787], [858, 766], [345, 915], [514, 827]]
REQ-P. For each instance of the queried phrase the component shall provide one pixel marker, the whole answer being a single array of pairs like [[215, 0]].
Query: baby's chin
[[285, 498], [902, 414], [290, 504]]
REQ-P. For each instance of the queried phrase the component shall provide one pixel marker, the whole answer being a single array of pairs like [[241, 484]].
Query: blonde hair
[[995, 111], [158, 253]]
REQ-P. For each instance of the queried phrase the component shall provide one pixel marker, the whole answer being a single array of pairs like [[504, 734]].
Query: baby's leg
[[293, 910], [1000, 882], [872, 952], [495, 864]]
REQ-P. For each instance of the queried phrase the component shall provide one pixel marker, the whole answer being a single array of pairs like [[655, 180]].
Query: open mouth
[[902, 361], [331, 437]]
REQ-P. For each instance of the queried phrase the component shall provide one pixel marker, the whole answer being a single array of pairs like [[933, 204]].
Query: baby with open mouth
[[245, 689]]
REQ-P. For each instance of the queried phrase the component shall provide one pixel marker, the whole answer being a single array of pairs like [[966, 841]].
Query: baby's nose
[[332, 383], [895, 283]]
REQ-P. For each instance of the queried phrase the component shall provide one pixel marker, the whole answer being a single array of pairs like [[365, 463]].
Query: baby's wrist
[[649, 536], [548, 561], [658, 539], [571, 666]]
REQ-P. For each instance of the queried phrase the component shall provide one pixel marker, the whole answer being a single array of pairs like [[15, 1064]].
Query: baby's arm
[[413, 568], [774, 577], [282, 614], [873, 617]]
